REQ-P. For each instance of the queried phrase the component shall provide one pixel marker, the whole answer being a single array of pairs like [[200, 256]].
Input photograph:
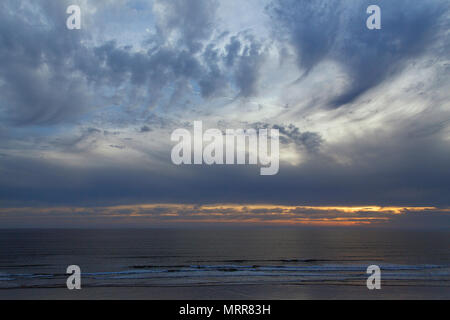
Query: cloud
[[189, 23], [173, 214], [86, 115], [38, 87], [146, 129], [310, 141], [51, 75], [335, 30]]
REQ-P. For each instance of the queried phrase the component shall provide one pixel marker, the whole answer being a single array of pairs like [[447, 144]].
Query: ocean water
[[31, 259]]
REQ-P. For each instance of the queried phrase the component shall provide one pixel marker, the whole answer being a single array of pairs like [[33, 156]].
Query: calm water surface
[[221, 256]]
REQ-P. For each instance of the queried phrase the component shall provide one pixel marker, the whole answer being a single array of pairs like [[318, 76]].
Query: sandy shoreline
[[233, 292]]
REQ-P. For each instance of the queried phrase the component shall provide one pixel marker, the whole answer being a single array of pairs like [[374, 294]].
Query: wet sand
[[233, 292]]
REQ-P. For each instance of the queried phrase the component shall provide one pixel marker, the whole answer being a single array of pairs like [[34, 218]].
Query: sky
[[86, 115]]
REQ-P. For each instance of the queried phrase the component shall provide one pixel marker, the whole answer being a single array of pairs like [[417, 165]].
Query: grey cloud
[[117, 146], [336, 30], [439, 218], [52, 76], [247, 67], [38, 86], [145, 129], [311, 141], [233, 48], [194, 20], [242, 59], [155, 69], [214, 80], [93, 130], [385, 169], [312, 26]]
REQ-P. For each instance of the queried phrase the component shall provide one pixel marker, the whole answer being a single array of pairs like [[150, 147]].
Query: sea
[[227, 257]]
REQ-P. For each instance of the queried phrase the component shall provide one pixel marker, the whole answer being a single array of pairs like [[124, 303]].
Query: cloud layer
[[86, 115], [182, 214]]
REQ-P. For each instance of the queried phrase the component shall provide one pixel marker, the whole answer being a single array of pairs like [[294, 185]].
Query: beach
[[242, 292]]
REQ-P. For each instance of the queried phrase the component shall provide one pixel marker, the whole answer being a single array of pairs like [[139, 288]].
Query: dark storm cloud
[[336, 30]]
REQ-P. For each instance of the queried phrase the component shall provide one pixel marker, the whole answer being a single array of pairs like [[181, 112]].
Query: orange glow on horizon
[[264, 214]]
